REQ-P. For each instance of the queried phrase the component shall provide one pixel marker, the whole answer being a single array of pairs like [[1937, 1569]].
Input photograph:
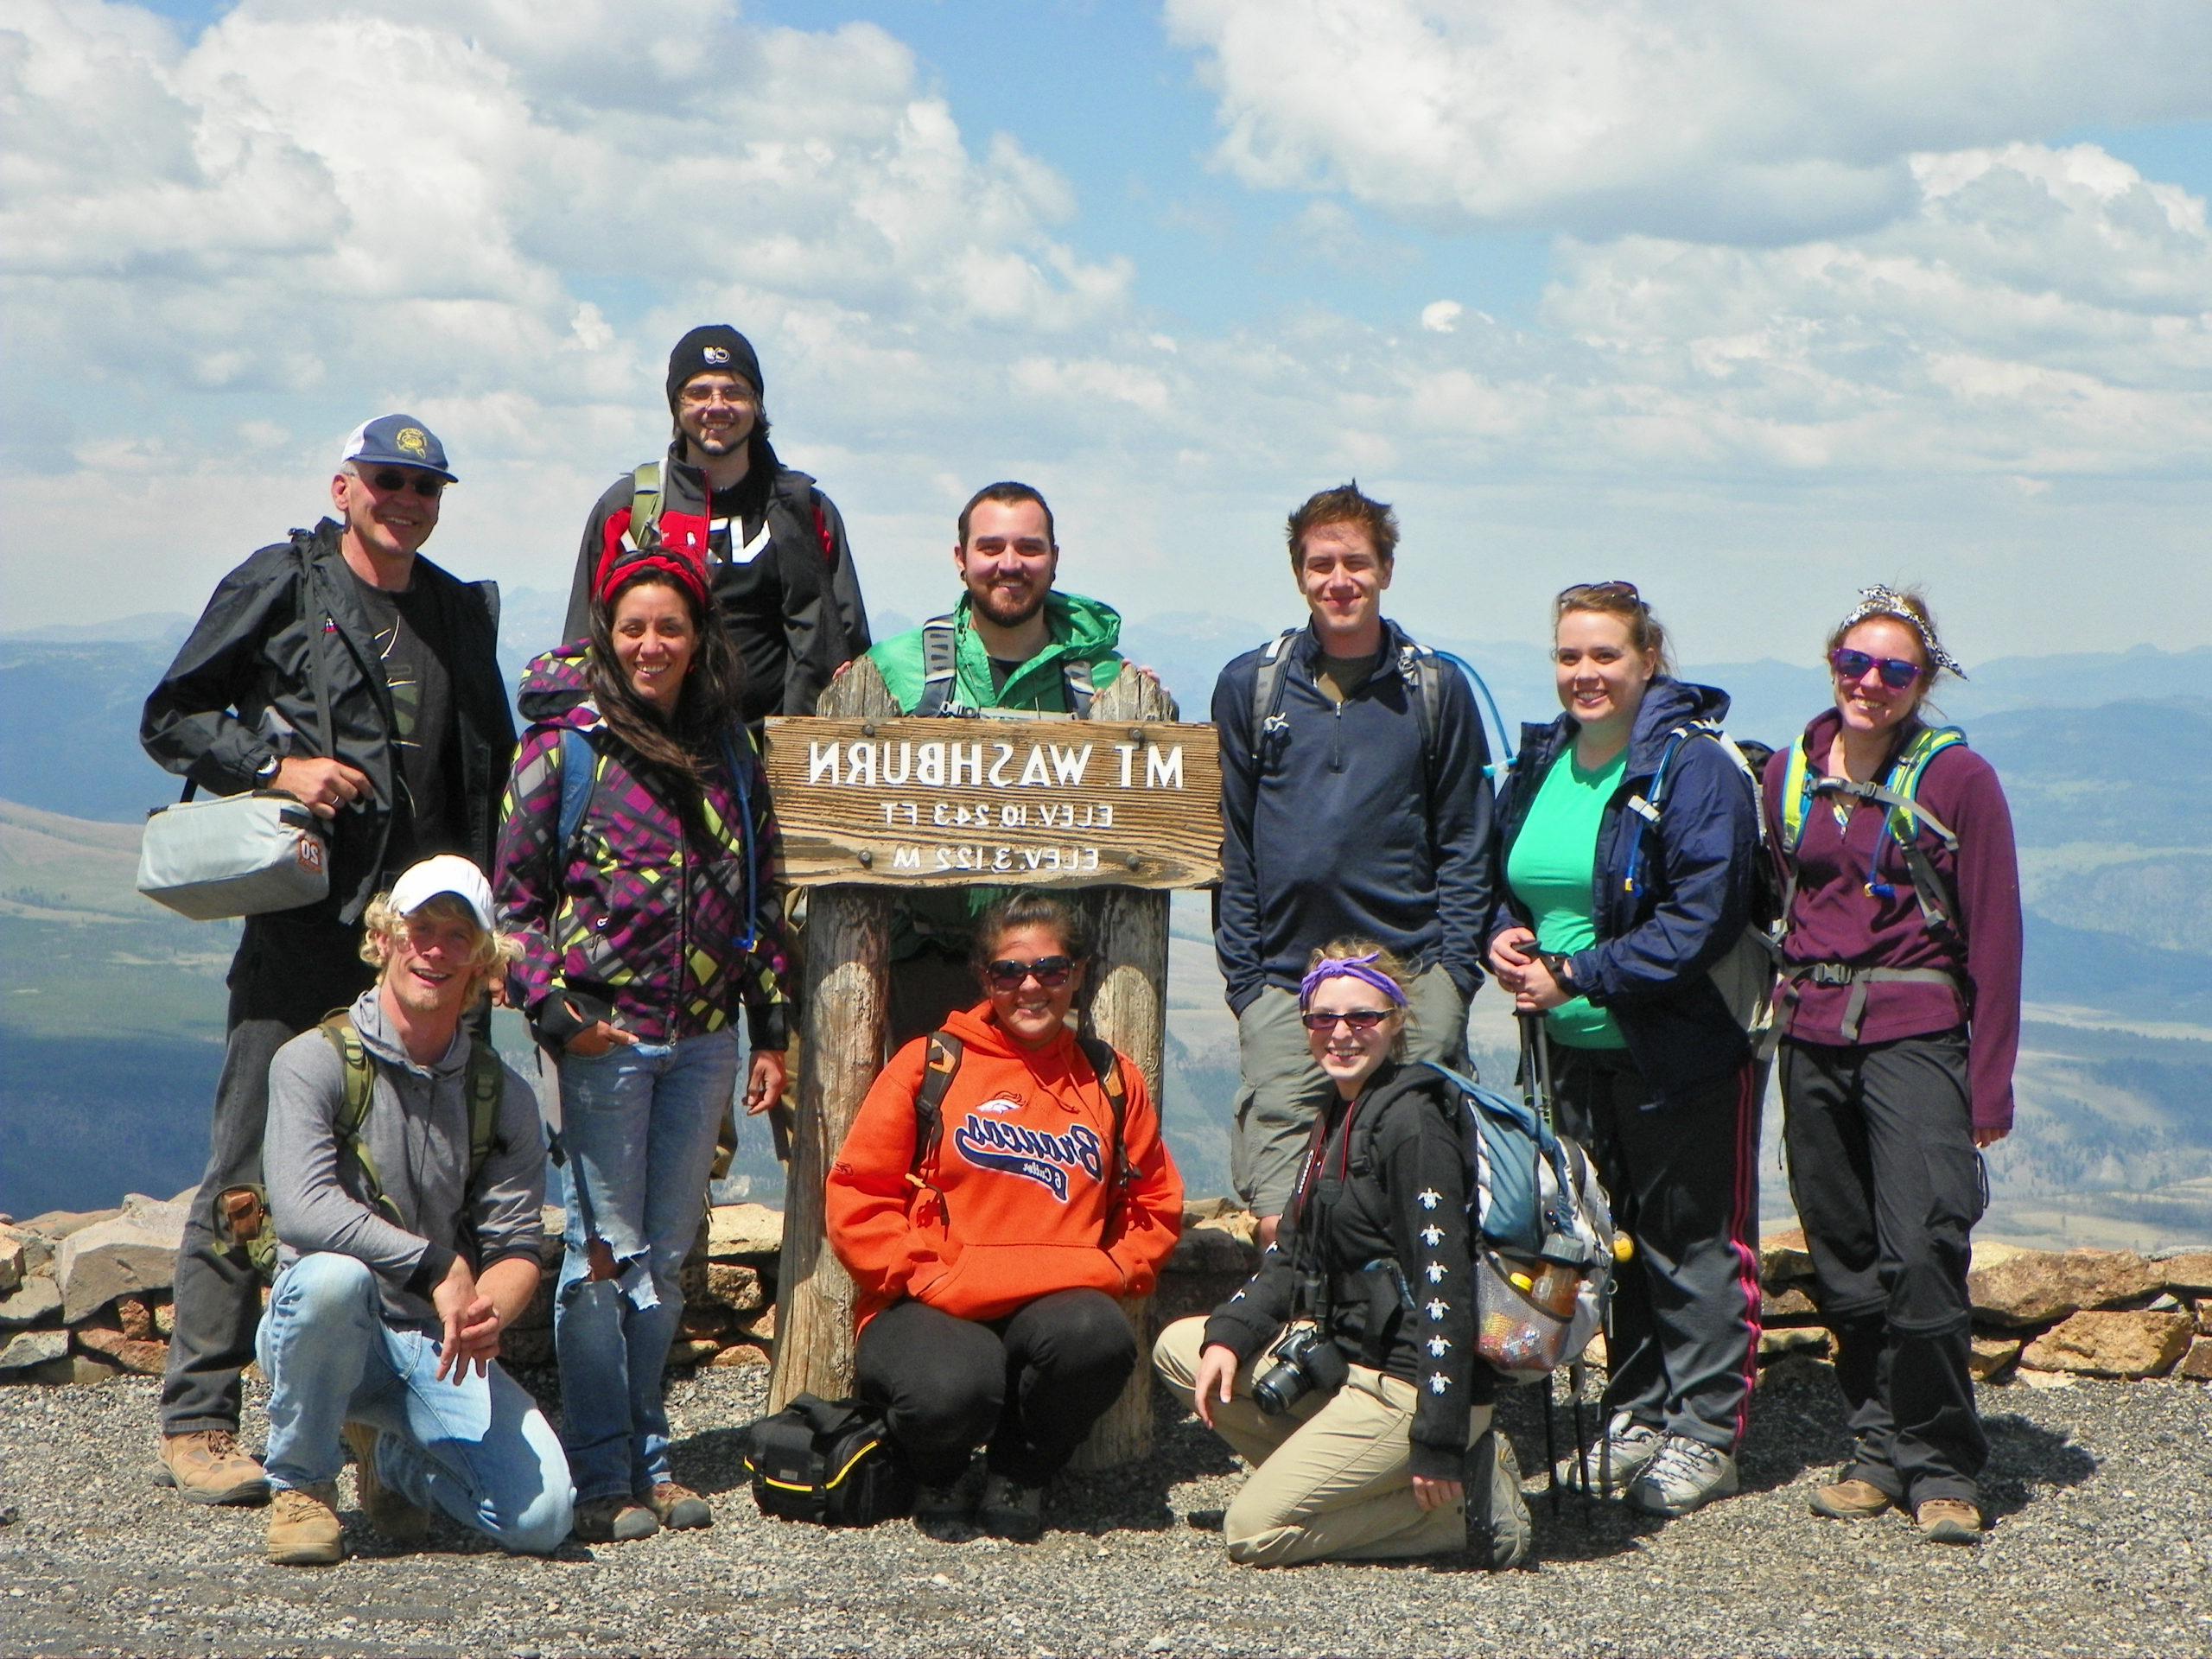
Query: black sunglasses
[[429, 486], [1896, 672], [1007, 975], [1599, 590], [1358, 1019]]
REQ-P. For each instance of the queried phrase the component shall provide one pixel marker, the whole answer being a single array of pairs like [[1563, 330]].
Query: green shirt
[[1551, 870]]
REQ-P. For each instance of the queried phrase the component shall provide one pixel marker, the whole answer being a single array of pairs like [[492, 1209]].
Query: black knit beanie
[[712, 348]]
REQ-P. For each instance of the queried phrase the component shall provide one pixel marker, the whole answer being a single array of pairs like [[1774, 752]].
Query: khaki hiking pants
[[1331, 1477]]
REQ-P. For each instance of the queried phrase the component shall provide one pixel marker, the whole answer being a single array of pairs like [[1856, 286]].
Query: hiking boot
[[947, 1513], [1850, 1500], [399, 1518], [1683, 1475], [677, 1508], [1011, 1510], [1949, 1521], [1499, 1531], [617, 1520], [303, 1530], [1615, 1461], [207, 1465]]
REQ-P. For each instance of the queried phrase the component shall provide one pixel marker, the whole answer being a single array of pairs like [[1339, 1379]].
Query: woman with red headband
[[634, 864]]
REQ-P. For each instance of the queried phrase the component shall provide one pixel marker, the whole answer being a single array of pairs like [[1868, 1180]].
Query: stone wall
[[85, 1297]]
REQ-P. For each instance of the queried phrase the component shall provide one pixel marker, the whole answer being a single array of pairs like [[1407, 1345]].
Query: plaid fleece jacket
[[629, 913]]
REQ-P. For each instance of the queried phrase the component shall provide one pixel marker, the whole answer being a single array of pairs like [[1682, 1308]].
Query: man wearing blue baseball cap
[[343, 668]]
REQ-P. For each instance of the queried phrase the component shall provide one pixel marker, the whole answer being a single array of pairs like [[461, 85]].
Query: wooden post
[[1128, 1008], [846, 1008]]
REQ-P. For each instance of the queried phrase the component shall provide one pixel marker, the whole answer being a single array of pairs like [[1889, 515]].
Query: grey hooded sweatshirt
[[418, 1134]]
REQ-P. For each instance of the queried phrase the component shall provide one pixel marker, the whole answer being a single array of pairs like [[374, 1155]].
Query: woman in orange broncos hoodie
[[989, 1257]]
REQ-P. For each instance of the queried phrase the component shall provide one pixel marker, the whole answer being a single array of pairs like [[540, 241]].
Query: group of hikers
[[1626, 879]]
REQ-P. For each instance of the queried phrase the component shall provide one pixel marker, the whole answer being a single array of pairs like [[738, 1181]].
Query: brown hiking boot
[[401, 1521], [208, 1466], [1850, 1500], [676, 1507], [618, 1520], [303, 1530], [1949, 1521]]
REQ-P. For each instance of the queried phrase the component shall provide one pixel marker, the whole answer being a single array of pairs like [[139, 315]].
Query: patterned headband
[[622, 562], [1879, 600], [1359, 968]]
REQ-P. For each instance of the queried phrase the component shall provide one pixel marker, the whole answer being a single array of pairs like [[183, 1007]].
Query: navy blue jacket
[[1344, 828], [1693, 896]]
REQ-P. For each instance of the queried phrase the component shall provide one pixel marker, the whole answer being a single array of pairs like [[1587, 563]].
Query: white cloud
[[1730, 120], [1441, 316]]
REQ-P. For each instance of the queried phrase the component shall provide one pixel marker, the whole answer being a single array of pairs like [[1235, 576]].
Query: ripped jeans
[[638, 1125]]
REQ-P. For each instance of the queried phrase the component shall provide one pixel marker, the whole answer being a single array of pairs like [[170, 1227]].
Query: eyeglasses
[[702, 395], [1358, 1019], [1007, 975], [429, 486], [1599, 590], [1896, 672]]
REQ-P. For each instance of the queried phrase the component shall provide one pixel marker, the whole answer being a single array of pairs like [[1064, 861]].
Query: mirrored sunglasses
[[426, 485], [1007, 975], [1358, 1019], [1896, 672]]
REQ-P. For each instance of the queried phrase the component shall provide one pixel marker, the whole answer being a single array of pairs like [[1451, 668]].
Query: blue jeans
[[477, 1449], [639, 1124]]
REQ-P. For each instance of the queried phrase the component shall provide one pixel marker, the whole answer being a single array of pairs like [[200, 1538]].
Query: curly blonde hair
[[386, 927]]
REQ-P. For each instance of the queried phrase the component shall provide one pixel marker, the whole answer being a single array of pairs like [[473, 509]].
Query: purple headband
[[1359, 968]]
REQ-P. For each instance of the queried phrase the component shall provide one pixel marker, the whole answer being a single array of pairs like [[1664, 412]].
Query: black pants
[[1888, 1184], [1032, 1384], [1681, 1172], [288, 974]]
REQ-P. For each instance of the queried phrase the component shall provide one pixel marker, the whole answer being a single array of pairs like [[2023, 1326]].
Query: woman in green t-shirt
[[1612, 915]]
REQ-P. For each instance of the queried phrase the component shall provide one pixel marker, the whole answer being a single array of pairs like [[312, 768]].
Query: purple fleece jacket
[[1835, 919]]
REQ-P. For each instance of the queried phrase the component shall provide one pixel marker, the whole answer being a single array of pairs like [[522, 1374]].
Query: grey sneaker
[[1499, 1531], [1683, 1475], [1615, 1461], [1011, 1510]]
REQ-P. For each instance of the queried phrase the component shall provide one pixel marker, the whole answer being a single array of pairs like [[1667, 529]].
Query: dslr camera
[[1304, 1360]]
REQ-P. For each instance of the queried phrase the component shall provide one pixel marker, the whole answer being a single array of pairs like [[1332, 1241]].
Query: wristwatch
[[265, 773]]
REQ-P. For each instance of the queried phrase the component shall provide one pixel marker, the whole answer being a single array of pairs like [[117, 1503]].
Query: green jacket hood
[[1079, 629]]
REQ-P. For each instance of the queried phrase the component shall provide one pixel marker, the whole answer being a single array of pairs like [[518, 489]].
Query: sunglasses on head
[[1358, 1019], [1896, 672], [1600, 590], [1007, 975], [429, 486]]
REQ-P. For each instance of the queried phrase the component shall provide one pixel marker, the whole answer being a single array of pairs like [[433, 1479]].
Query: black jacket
[[1381, 1216], [1692, 894], [1343, 827], [793, 610], [242, 691]]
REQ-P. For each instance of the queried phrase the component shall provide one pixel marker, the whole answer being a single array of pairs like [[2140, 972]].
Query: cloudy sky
[[1749, 303]]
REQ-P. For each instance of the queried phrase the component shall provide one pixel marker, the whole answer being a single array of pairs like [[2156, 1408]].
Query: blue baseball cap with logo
[[397, 441]]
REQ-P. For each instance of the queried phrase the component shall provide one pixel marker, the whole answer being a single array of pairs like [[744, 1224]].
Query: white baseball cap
[[446, 872]]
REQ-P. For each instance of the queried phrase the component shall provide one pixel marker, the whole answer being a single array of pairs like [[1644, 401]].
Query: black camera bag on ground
[[829, 1461]]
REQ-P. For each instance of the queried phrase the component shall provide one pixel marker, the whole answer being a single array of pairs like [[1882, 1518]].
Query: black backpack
[[832, 1462]]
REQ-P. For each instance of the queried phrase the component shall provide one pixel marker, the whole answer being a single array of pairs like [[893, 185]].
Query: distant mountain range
[[111, 1009]]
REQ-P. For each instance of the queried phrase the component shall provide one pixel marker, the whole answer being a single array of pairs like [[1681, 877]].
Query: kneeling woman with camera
[[1003, 1183], [1345, 1372]]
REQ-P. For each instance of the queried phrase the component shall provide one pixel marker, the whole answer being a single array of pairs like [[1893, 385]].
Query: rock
[[1989, 1252], [2112, 1344], [164, 1319], [136, 1355], [531, 1347], [1988, 1356], [1793, 1339], [734, 1286], [2189, 1272], [1790, 1302], [1213, 1248], [741, 1353], [687, 1351], [708, 1321], [15, 1259], [744, 1229], [2036, 1286], [2204, 1316], [57, 1224], [134, 1319], [87, 1370], [1784, 1256], [1803, 1370], [760, 1326], [25, 1348], [132, 1251], [36, 1299], [2036, 1379], [2197, 1361]]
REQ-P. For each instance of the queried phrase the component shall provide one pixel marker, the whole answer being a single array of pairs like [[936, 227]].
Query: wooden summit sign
[[1006, 801]]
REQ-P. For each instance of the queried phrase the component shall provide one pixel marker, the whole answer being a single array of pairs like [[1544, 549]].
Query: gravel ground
[[2103, 1546]]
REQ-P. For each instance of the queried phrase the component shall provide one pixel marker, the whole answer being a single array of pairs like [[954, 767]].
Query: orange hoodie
[[1017, 1201]]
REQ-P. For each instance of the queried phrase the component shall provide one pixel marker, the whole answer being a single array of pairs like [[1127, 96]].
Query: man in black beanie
[[783, 576]]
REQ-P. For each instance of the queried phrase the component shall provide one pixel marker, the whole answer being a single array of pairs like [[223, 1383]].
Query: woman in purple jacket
[[1900, 1020], [634, 864]]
